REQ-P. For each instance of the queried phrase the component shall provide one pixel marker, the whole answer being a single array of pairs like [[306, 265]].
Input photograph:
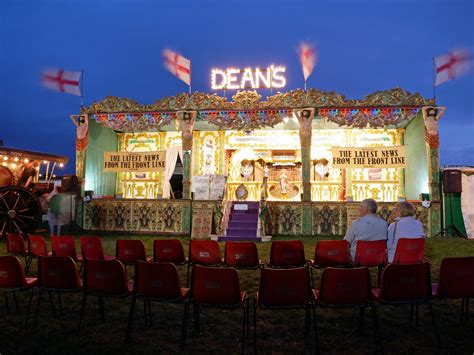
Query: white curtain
[[467, 203], [171, 159]]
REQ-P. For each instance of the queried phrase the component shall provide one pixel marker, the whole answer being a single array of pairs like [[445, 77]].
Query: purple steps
[[243, 224]]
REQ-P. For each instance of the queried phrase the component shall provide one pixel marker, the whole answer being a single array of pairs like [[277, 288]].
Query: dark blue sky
[[364, 46]]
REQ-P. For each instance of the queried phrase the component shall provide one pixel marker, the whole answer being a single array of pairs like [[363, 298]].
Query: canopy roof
[[30, 155], [382, 109]]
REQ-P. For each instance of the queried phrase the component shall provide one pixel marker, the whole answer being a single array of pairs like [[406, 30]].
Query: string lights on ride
[[248, 78]]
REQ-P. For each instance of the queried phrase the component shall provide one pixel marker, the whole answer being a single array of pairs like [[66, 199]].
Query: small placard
[[202, 223], [241, 207]]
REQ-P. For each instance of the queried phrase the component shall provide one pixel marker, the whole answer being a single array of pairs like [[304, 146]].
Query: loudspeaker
[[452, 181], [70, 184]]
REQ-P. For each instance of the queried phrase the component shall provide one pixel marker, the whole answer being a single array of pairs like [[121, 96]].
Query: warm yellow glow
[[234, 78], [61, 165], [16, 159], [13, 165], [4, 164], [5, 158], [54, 175], [45, 162], [26, 160]]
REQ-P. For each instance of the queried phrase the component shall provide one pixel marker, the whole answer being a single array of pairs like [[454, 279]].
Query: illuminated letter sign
[[234, 78]]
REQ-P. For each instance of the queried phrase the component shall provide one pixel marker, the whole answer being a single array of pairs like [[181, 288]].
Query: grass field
[[279, 332]]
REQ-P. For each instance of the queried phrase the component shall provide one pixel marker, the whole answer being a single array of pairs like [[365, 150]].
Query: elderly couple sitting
[[372, 227]]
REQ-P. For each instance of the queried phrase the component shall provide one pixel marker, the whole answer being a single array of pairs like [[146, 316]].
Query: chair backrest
[[168, 250], [345, 286], [157, 280], [58, 272], [16, 244], [405, 282], [204, 252], [284, 288], [241, 255], [332, 253], [64, 246], [409, 251], [105, 277], [12, 274], [129, 251], [91, 248], [37, 245], [216, 286], [456, 278], [287, 253], [371, 253]]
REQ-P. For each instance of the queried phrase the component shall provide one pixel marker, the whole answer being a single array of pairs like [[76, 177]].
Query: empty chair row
[[220, 287]]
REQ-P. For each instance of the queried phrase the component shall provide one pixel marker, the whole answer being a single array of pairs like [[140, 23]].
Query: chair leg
[[438, 338], [37, 307], [463, 304], [244, 322], [248, 318], [411, 314], [60, 304], [255, 326], [184, 325], [187, 276], [149, 313], [27, 264], [306, 321], [377, 337], [101, 309], [145, 311], [315, 325], [83, 306], [29, 308], [8, 306], [197, 327], [16, 302], [466, 311], [131, 313], [416, 315], [311, 276], [52, 303], [361, 320]]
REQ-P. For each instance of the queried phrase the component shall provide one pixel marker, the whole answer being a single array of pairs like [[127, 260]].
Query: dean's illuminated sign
[[234, 78]]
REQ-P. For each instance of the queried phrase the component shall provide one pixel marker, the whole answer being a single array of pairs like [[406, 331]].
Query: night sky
[[364, 46]]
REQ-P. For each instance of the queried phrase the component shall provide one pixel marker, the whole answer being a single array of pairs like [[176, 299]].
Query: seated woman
[[405, 226]]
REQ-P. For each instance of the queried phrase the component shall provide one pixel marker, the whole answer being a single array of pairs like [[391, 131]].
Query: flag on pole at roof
[[62, 80], [452, 65], [177, 65]]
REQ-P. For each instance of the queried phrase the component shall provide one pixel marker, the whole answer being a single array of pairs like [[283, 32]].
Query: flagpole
[[305, 85], [434, 79], [82, 88]]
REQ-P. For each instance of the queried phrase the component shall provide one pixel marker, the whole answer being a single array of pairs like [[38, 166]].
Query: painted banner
[[134, 161], [374, 157], [202, 223]]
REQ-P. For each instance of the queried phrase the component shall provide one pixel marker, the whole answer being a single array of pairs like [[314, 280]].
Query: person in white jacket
[[405, 226]]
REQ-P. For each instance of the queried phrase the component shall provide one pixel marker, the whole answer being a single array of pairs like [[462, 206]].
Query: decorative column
[[431, 116], [305, 118], [221, 144], [187, 119], [162, 146], [401, 171]]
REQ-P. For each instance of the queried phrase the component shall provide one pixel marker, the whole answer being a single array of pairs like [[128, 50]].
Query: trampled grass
[[279, 332]]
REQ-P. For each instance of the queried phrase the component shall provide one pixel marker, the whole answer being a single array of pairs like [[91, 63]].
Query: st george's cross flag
[[177, 65], [308, 59], [452, 65], [61, 80]]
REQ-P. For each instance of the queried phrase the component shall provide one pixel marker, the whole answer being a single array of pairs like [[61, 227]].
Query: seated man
[[369, 227]]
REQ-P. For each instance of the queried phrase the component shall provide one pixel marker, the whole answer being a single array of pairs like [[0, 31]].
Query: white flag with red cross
[[177, 65], [62, 81], [308, 59], [452, 65]]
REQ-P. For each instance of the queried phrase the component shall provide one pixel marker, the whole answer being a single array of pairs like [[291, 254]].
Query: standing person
[[369, 227], [28, 174], [405, 226]]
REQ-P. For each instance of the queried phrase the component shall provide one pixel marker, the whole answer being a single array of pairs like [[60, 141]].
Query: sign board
[[248, 78], [202, 223], [353, 214], [241, 207], [217, 185], [115, 162], [200, 187], [375, 157]]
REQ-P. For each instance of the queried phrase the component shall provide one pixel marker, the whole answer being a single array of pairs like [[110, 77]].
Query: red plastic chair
[[91, 248], [65, 245], [16, 246], [104, 278], [169, 250], [241, 255], [287, 254], [406, 284], [203, 252], [57, 274], [371, 254], [409, 251], [330, 253], [216, 288], [286, 289], [348, 288], [129, 251], [12, 278], [456, 280], [157, 282], [37, 246]]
